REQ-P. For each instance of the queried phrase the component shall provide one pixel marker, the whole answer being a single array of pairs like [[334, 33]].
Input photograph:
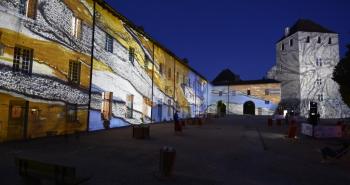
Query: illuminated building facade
[[305, 59], [254, 97], [68, 66]]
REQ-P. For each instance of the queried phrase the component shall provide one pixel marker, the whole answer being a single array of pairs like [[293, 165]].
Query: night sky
[[239, 35]]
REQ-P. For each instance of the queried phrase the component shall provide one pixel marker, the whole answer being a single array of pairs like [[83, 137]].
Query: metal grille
[[74, 72]]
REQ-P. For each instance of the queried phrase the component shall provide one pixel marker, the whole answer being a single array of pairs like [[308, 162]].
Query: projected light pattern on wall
[[45, 64]]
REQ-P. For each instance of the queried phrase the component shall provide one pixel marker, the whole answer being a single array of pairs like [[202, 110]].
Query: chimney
[[286, 31]]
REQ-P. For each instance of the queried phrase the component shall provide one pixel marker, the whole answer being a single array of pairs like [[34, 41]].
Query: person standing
[[176, 122]]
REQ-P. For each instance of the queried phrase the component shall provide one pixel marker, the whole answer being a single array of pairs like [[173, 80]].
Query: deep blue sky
[[235, 34]]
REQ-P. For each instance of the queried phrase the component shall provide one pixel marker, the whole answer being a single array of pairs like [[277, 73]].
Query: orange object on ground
[[279, 122], [292, 131], [269, 122]]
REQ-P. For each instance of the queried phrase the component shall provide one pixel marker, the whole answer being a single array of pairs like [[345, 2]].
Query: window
[[248, 92], [319, 62], [319, 81], [2, 48], [282, 47], [109, 43], [184, 79], [161, 69], [274, 91], [106, 108], [76, 27], [267, 92], [131, 55], [267, 102], [22, 7], [329, 40], [23, 60], [129, 106], [320, 97], [169, 107], [177, 76], [146, 62], [71, 113], [32, 6], [28, 8], [291, 42], [169, 73], [74, 72], [308, 39], [319, 40], [220, 93]]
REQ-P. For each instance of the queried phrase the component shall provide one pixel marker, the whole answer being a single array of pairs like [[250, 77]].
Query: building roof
[[227, 77], [139, 29], [306, 25]]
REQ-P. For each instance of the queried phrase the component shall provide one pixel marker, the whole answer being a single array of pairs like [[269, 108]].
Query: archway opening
[[249, 108]]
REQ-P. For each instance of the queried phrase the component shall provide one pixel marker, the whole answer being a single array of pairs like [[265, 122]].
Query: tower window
[[308, 39], [320, 97], [329, 40], [109, 43], [291, 42], [23, 60], [282, 47], [319, 81], [319, 40], [319, 62], [248, 92]]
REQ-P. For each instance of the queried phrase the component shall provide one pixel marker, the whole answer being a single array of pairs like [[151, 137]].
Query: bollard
[[177, 126], [279, 122], [166, 161], [183, 123], [292, 131], [269, 122]]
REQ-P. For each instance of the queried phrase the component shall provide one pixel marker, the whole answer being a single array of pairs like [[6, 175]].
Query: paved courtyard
[[235, 150]]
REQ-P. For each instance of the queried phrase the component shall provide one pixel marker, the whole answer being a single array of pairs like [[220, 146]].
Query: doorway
[[249, 108], [17, 120]]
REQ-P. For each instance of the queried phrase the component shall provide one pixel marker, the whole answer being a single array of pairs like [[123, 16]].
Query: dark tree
[[341, 75]]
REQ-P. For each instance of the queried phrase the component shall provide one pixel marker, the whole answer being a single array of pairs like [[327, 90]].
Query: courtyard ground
[[233, 150]]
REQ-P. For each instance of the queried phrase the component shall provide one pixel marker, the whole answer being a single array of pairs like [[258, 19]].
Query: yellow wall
[[258, 90]]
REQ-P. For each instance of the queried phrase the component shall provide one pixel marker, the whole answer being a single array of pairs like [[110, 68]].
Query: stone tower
[[305, 59]]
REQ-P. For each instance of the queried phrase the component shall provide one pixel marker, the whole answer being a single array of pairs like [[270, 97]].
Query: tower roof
[[306, 25], [225, 77]]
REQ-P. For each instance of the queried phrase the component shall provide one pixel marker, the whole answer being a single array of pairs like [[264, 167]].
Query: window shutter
[[31, 11]]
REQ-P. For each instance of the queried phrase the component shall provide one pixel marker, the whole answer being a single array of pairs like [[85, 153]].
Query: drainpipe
[[91, 63]]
